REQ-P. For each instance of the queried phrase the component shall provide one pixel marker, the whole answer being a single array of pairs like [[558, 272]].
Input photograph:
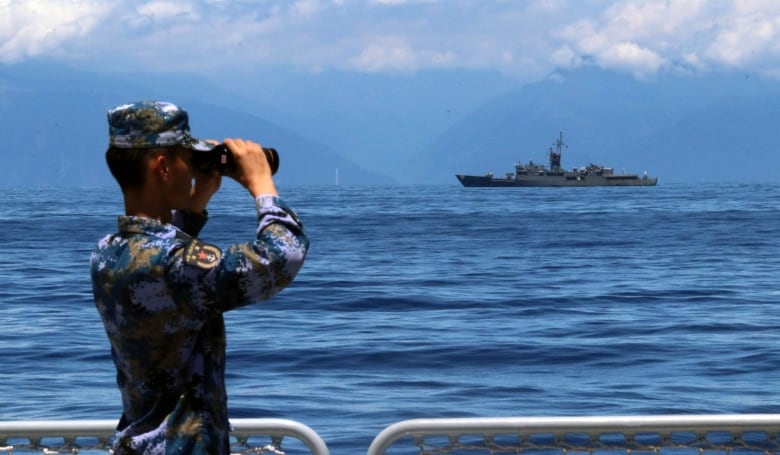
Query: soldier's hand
[[252, 169], [206, 184]]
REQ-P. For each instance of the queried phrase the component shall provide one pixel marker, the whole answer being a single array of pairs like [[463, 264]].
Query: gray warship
[[538, 175]]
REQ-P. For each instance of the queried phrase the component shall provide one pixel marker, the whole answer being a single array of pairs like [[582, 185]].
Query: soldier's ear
[[159, 166]]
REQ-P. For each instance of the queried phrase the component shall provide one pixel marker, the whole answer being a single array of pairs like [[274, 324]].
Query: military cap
[[148, 124]]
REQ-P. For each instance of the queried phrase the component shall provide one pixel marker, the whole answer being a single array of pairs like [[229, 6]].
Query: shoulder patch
[[202, 254]]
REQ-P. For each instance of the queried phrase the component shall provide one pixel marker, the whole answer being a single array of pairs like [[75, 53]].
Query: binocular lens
[[273, 159]]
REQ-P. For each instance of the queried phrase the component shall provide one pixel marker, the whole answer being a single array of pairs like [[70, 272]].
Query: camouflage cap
[[147, 124]]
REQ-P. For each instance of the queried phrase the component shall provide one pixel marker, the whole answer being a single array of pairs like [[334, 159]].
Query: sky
[[524, 39]]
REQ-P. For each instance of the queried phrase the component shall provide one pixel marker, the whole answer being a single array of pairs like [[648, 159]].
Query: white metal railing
[[629, 434], [724, 434], [75, 435]]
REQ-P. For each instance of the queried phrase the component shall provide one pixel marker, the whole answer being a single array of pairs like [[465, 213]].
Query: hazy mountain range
[[682, 129], [408, 129]]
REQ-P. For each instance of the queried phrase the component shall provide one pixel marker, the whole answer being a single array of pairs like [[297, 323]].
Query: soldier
[[161, 292]]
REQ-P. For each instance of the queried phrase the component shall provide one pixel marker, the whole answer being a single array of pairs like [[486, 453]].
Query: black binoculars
[[221, 159]]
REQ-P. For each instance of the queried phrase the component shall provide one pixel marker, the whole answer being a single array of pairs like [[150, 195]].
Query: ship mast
[[555, 156]]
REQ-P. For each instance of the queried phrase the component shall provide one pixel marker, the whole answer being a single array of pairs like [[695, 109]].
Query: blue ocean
[[435, 301]]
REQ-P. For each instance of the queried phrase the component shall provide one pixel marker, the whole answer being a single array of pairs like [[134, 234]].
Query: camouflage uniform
[[161, 293]]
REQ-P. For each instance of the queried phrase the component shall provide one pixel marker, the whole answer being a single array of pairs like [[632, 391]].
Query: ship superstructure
[[532, 174]]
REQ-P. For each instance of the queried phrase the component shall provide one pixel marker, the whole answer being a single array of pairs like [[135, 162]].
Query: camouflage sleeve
[[251, 272]]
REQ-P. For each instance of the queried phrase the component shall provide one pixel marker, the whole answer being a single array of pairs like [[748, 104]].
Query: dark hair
[[127, 164]]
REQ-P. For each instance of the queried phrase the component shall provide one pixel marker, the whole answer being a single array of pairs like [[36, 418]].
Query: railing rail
[[35, 431], [590, 431], [758, 432]]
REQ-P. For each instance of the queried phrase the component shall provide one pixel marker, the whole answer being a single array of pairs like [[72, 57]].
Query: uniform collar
[[148, 226]]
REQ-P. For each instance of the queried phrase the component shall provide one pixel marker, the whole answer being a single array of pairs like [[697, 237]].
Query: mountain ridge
[[685, 128], [55, 125], [619, 122]]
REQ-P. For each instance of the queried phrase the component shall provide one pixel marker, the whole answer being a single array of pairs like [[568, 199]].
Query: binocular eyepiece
[[221, 159]]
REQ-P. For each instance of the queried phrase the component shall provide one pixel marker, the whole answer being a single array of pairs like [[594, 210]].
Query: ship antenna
[[559, 143], [555, 157]]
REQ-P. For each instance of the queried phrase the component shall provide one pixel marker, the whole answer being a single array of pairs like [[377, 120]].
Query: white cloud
[[634, 36], [642, 62], [745, 38], [35, 28], [564, 57], [649, 36], [654, 20], [393, 55], [306, 8], [402, 2], [529, 38], [167, 10]]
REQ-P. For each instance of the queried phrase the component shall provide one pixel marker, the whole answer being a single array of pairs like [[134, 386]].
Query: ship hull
[[561, 180]]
